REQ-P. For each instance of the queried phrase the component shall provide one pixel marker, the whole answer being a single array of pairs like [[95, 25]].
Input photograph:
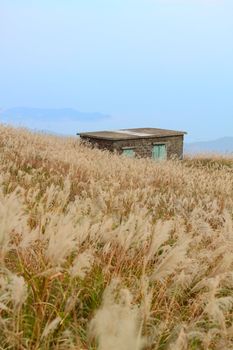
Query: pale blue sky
[[158, 63]]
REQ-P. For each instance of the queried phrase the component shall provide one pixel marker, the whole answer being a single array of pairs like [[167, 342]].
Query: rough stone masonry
[[141, 141]]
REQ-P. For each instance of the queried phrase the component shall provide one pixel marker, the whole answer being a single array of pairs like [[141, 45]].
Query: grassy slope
[[132, 253]]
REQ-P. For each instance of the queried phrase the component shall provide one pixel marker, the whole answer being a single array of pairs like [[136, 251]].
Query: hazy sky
[[158, 63]]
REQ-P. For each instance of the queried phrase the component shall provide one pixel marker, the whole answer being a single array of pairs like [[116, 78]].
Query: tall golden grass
[[98, 251]]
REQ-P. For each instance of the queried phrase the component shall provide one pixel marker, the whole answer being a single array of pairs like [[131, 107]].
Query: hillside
[[103, 252], [49, 119], [221, 146]]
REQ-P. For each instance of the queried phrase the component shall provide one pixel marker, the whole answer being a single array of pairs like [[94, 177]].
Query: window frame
[[125, 149]]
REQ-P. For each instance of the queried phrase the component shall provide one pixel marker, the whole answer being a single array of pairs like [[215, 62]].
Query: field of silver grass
[[98, 251]]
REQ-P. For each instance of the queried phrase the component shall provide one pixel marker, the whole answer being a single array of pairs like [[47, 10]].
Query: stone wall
[[99, 143], [142, 147]]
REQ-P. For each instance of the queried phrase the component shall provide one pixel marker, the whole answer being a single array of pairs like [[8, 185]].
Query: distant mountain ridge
[[51, 113], [59, 120], [222, 145]]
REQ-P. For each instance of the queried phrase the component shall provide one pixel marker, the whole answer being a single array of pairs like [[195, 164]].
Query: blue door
[[129, 152], [159, 152]]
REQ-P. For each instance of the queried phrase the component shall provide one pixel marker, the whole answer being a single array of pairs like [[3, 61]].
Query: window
[[128, 152], [159, 152]]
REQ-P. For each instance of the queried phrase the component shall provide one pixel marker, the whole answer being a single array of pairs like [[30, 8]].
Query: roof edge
[[130, 137]]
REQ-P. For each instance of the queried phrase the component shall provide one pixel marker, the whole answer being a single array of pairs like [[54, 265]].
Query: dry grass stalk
[[75, 219]]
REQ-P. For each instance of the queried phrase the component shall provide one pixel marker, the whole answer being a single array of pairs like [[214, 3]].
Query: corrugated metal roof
[[129, 134]]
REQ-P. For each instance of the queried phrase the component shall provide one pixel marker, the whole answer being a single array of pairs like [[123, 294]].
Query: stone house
[[141, 142]]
